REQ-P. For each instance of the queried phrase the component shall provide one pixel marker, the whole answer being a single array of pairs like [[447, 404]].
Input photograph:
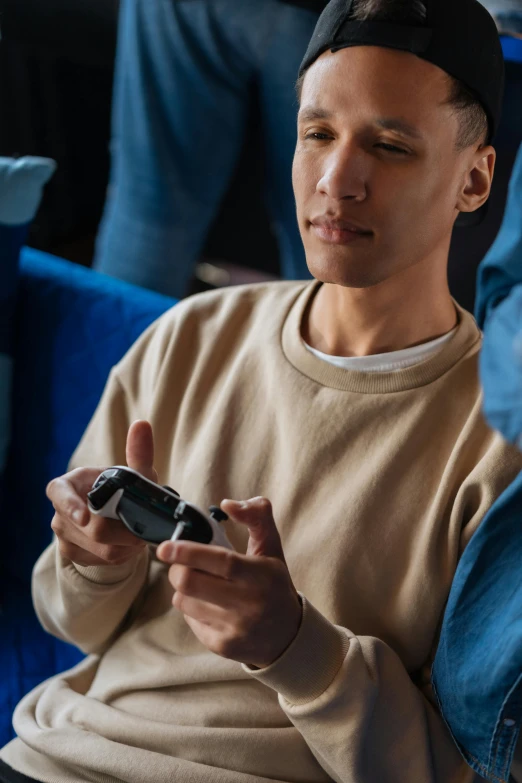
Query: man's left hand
[[243, 607]]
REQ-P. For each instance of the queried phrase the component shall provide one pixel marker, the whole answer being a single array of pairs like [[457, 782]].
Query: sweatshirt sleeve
[[355, 705], [88, 606]]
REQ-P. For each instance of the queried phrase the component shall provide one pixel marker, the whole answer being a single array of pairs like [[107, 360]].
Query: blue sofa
[[71, 325]]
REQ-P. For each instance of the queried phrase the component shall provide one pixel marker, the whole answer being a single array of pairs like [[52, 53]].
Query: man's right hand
[[87, 539]]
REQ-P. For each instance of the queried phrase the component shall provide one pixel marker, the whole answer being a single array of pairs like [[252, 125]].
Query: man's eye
[[317, 136], [392, 148]]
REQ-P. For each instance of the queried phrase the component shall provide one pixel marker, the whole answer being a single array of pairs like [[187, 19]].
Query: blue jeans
[[477, 673], [184, 73]]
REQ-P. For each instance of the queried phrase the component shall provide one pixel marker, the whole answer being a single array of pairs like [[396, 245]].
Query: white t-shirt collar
[[386, 362]]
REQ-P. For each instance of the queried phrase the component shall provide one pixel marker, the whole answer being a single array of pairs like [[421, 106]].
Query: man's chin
[[349, 274]]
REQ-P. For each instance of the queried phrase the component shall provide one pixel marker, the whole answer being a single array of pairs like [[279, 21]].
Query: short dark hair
[[473, 121]]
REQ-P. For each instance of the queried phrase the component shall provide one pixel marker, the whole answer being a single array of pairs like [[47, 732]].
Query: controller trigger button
[[166, 486], [218, 514]]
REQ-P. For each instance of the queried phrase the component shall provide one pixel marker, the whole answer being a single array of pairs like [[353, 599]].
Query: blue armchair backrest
[[71, 326]]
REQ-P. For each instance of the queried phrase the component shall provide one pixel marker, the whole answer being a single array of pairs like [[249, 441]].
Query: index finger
[[214, 560]]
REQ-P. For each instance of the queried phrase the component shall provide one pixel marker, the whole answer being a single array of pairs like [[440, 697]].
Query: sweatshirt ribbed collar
[[467, 337]]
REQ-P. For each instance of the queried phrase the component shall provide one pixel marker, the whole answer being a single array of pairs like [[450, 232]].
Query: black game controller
[[152, 512]]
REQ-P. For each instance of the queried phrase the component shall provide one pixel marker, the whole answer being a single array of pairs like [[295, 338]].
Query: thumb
[[257, 515], [140, 449]]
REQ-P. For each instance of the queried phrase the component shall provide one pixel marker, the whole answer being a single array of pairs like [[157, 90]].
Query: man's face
[[376, 151]]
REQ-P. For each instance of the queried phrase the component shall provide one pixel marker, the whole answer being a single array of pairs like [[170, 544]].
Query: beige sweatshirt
[[378, 481]]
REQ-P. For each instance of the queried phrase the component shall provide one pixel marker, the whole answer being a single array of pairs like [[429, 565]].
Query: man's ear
[[477, 183]]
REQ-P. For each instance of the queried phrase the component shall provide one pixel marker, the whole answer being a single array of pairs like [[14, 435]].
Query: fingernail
[[167, 551]]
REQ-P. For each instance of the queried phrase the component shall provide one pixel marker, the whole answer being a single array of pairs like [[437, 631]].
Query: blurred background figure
[[507, 14], [186, 71], [499, 312]]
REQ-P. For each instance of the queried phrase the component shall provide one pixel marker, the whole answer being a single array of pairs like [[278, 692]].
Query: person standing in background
[[478, 666], [507, 15], [185, 72]]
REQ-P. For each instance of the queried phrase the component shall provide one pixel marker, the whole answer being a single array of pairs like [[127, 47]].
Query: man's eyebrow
[[399, 126], [314, 113]]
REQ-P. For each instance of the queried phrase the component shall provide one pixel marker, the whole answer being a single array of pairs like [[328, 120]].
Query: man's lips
[[338, 232]]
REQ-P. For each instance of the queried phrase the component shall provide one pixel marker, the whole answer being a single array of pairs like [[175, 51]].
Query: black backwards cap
[[459, 36]]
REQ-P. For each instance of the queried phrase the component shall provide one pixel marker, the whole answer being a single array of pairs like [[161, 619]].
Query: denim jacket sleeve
[[499, 313], [477, 673], [501, 269]]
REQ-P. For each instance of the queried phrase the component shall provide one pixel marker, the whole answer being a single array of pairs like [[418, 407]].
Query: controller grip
[[110, 508], [218, 536]]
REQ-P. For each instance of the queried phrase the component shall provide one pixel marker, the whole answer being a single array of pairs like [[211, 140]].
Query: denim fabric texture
[[184, 75], [501, 269], [477, 672]]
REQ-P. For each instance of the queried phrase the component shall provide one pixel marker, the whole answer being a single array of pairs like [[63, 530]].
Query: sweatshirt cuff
[[310, 663], [110, 575]]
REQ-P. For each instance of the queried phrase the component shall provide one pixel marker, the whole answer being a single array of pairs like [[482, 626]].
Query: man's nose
[[345, 174]]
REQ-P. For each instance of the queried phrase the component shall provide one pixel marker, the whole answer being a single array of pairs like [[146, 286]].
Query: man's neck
[[407, 310]]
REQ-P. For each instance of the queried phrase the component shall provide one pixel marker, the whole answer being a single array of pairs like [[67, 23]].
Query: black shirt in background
[[310, 5], [10, 775]]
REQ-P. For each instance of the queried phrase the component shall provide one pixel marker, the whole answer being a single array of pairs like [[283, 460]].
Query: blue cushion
[[72, 325], [512, 47]]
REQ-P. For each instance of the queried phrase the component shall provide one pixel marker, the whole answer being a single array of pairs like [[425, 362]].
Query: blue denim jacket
[[477, 673]]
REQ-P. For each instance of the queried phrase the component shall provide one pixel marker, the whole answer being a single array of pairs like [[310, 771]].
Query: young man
[[349, 411]]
